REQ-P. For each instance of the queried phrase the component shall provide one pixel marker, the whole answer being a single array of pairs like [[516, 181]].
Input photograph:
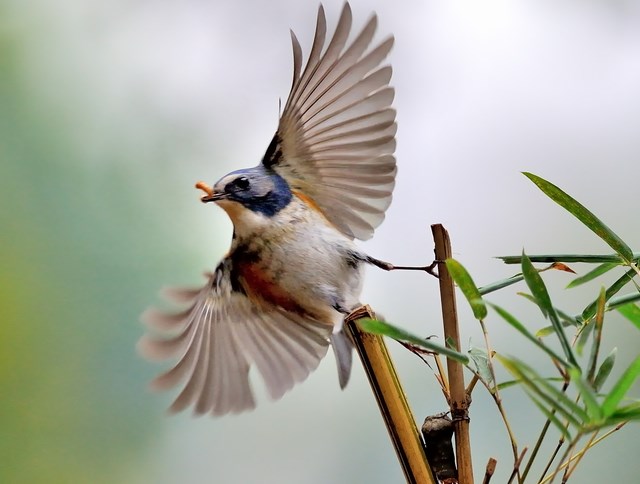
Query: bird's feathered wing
[[217, 338], [336, 136]]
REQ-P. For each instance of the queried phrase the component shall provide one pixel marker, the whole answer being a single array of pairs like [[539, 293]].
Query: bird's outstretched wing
[[219, 336], [336, 136]]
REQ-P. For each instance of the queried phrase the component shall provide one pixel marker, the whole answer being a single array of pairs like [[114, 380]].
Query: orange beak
[[210, 195]]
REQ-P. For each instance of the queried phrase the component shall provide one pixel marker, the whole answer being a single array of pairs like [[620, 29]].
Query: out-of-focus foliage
[[72, 265]]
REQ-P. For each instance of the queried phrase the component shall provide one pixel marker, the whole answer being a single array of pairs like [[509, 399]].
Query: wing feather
[[316, 49], [337, 129], [381, 118], [219, 336]]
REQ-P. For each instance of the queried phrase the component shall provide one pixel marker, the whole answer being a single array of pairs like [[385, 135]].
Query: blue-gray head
[[259, 189]]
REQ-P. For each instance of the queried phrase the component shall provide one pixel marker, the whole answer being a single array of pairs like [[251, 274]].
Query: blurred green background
[[110, 111]]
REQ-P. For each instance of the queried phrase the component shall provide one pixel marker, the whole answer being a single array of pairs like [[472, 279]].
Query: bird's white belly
[[307, 260]]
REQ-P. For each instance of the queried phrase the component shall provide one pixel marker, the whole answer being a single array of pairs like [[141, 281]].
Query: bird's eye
[[242, 183]]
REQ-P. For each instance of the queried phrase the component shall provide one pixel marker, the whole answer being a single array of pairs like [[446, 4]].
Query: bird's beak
[[212, 198], [210, 194]]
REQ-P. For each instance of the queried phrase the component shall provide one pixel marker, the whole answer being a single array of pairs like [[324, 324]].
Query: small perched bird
[[280, 296]]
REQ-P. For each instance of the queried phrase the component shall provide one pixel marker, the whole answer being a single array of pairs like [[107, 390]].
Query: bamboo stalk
[[391, 399], [459, 403]]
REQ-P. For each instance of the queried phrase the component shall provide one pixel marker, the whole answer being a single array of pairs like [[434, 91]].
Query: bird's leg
[[387, 266]]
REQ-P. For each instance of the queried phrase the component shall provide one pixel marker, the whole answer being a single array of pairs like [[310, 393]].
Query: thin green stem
[[577, 458], [516, 468], [587, 447], [567, 455], [541, 438], [496, 395], [551, 459]]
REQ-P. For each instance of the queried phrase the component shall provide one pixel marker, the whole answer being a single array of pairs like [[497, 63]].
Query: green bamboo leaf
[[552, 417], [631, 312], [626, 412], [591, 275], [556, 399], [584, 215], [583, 337], [568, 404], [554, 394], [546, 331], [522, 329], [536, 285], [569, 258], [620, 389], [597, 336], [494, 286], [512, 383], [540, 293], [566, 319], [617, 301], [605, 370], [588, 396], [374, 326], [616, 419], [464, 281], [590, 311], [481, 362]]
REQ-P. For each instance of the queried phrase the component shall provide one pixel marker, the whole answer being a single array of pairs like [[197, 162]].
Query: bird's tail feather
[[343, 351]]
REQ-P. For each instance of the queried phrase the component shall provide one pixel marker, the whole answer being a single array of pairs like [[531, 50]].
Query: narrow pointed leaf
[[597, 336], [584, 215], [380, 327], [551, 416], [593, 274], [547, 392], [605, 370], [622, 386], [627, 412], [546, 331], [587, 394], [464, 281], [631, 312], [536, 285], [583, 337], [494, 286], [540, 293], [556, 394], [566, 319], [512, 383], [587, 258], [567, 403], [521, 328], [481, 363], [590, 310]]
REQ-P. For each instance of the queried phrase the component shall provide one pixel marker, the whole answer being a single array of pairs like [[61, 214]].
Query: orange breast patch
[[259, 287], [311, 203]]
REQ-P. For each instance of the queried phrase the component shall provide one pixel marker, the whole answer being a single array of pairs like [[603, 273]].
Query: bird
[[279, 298]]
